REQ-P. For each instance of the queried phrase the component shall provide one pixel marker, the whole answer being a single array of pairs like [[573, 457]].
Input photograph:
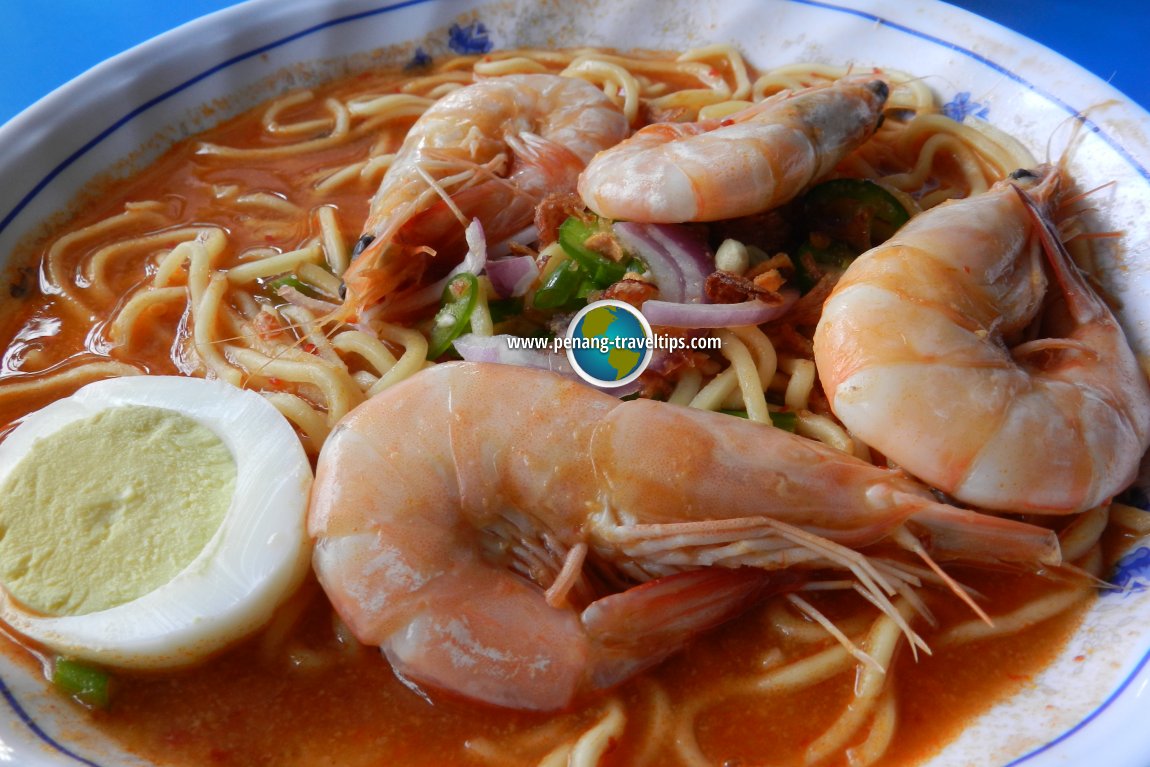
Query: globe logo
[[609, 343]]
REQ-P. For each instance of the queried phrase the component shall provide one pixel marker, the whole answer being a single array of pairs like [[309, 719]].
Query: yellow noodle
[[711, 396], [686, 388], [1082, 534], [429, 84], [321, 279], [205, 316], [334, 248], [514, 65], [339, 391], [591, 745], [274, 265], [119, 252], [880, 644], [762, 350], [606, 73], [721, 109], [747, 375], [273, 126], [70, 377], [170, 264], [659, 716], [810, 670], [881, 733], [268, 201], [1035, 611], [307, 328], [339, 130], [306, 418], [729, 55], [389, 107], [800, 384], [823, 429], [1130, 517], [120, 330], [366, 346], [59, 277]]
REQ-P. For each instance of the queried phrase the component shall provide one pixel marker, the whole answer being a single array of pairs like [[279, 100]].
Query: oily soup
[[239, 257]]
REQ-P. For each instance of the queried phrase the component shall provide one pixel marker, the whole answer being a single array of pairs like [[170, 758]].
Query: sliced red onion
[[512, 277], [677, 315], [496, 349], [678, 259]]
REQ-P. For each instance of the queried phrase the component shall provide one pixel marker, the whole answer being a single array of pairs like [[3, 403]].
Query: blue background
[[45, 43]]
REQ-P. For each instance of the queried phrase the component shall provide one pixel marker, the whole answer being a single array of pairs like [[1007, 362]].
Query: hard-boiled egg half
[[148, 521]]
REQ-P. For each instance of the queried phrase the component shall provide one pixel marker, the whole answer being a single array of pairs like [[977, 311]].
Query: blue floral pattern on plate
[[1131, 572], [961, 107], [464, 40], [421, 59], [470, 39]]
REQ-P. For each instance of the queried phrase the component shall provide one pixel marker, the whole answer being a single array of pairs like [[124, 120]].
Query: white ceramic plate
[[121, 114]]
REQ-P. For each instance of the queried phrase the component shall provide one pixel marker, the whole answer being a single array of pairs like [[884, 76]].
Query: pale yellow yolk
[[111, 507]]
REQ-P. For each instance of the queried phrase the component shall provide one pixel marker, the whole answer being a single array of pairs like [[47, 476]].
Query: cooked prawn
[[922, 350], [491, 150], [746, 163], [485, 525]]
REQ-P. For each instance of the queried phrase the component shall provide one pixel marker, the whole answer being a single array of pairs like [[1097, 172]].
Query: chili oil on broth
[[304, 689]]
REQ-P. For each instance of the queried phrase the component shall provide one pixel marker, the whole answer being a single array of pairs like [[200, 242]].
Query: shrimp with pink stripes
[[514, 537]]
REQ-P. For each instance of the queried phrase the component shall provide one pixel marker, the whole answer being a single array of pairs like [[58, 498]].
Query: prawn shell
[[922, 355], [750, 162]]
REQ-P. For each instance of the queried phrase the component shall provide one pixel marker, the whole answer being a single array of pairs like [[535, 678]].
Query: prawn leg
[[642, 626]]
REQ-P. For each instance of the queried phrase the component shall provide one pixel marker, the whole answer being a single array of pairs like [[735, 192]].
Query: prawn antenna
[[906, 539]]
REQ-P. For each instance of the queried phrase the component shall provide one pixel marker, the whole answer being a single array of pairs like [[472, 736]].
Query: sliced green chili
[[454, 315], [291, 281], [503, 309], [561, 286], [785, 420], [573, 236], [87, 684]]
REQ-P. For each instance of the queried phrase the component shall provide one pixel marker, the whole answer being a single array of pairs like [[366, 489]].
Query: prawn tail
[[638, 628], [552, 165]]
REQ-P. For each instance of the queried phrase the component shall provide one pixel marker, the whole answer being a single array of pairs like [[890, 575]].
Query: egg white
[[256, 559]]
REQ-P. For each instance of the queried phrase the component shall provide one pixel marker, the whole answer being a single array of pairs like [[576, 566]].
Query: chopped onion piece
[[678, 315], [512, 277], [678, 260]]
